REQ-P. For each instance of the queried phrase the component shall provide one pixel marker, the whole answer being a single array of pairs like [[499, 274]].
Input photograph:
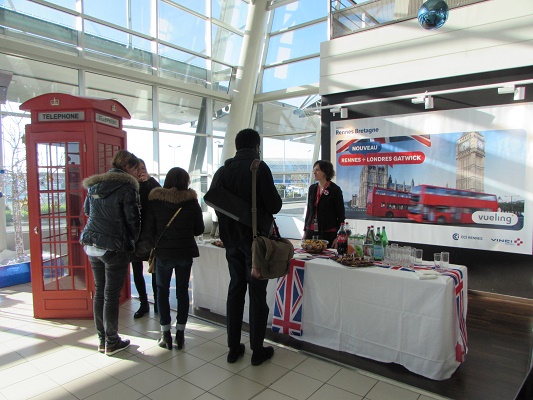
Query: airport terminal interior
[[183, 77]]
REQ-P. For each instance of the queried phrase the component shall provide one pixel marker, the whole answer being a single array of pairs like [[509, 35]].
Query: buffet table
[[384, 314]]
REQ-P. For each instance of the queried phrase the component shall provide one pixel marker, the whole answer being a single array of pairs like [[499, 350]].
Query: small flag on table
[[289, 298]]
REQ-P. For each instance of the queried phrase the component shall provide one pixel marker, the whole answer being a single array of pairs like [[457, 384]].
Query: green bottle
[[384, 239]]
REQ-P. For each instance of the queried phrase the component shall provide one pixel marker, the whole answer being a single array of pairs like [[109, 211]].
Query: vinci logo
[[516, 242]]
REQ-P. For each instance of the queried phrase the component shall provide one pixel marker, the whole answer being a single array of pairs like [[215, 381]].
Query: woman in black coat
[[175, 248], [325, 205], [109, 237], [146, 184]]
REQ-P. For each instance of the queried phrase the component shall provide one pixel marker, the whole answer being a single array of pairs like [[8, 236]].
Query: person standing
[[325, 205], [176, 246], [109, 237], [236, 177], [146, 184]]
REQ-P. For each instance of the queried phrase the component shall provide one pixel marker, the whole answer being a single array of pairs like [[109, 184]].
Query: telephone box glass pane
[[61, 215]]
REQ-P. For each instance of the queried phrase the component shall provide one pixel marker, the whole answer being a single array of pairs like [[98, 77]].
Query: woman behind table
[[325, 205], [112, 205], [146, 184], [175, 249]]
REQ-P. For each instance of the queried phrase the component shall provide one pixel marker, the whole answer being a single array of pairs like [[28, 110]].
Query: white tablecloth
[[382, 314]]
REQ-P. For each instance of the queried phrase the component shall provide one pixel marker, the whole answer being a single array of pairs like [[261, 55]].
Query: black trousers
[[138, 278], [240, 268], [109, 273]]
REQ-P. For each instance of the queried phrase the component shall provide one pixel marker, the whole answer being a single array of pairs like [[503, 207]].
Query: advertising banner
[[458, 178]]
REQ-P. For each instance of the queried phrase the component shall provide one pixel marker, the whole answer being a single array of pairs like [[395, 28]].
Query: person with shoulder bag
[[173, 221], [109, 237], [237, 238], [146, 184]]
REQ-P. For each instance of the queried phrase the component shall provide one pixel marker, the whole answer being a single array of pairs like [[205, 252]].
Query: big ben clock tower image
[[470, 162]]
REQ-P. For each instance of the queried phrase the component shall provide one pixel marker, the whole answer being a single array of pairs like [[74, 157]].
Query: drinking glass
[[387, 255], [437, 259], [418, 256], [406, 256], [412, 257], [445, 259]]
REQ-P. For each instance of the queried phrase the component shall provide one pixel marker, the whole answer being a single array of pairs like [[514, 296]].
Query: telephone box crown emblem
[[54, 102], [113, 108]]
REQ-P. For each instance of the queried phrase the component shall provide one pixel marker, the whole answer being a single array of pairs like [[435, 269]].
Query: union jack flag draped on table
[[344, 145], [287, 317], [461, 348]]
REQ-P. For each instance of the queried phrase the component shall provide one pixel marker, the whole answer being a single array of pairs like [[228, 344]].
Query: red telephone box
[[69, 139]]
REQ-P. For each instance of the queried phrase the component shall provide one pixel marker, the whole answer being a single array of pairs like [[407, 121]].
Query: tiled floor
[[58, 360]]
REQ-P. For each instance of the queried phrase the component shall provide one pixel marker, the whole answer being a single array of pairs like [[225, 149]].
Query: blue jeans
[[164, 268], [240, 269], [109, 273]]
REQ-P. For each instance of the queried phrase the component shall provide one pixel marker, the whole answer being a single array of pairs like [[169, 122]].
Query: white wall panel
[[482, 37]]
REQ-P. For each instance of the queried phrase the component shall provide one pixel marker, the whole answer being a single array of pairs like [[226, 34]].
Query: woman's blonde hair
[[123, 158]]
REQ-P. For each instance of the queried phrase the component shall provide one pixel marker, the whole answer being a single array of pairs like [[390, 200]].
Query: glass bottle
[[342, 240], [368, 245], [384, 239], [378, 246], [347, 229]]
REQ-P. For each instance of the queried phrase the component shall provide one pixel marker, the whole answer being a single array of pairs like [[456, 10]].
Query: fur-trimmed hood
[[172, 195], [105, 184]]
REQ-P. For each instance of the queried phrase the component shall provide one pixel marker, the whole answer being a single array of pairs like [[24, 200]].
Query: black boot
[[143, 309], [165, 341], [180, 339]]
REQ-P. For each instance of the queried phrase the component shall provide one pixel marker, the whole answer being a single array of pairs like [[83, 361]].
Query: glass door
[[61, 281]]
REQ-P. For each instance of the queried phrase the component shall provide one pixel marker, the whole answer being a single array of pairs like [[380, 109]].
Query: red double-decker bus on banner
[[447, 205], [388, 203]]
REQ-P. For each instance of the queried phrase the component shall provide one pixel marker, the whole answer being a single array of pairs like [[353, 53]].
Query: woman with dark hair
[[109, 237], [176, 246], [325, 205], [146, 184]]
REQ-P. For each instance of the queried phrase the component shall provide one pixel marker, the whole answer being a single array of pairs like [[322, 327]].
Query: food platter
[[314, 246], [218, 243], [352, 261]]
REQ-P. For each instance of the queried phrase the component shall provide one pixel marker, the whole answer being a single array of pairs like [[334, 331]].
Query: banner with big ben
[[458, 178]]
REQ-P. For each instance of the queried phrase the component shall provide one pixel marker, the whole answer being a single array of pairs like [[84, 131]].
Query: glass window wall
[[185, 47], [288, 75], [230, 12], [289, 128], [176, 26], [297, 13]]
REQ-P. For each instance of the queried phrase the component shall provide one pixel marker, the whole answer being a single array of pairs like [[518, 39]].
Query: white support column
[[246, 77]]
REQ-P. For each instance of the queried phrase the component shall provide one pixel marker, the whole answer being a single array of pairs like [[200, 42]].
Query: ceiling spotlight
[[335, 110], [520, 93], [506, 89], [428, 102], [344, 112]]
